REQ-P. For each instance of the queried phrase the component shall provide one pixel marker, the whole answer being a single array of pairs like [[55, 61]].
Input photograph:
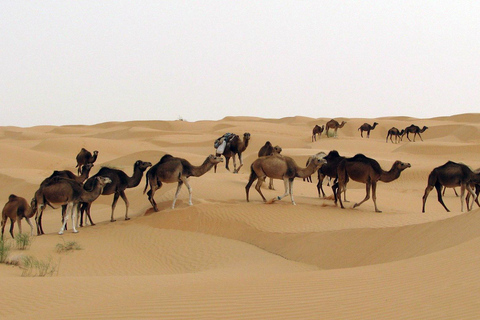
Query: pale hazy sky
[[86, 62]]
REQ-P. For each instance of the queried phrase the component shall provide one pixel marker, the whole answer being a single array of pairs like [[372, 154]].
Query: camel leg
[[38, 220], [74, 215], [270, 184], [425, 195], [114, 204], [127, 204], [470, 192], [179, 186], [367, 196], [3, 226], [320, 185], [190, 203], [290, 185], [287, 184], [64, 219], [227, 160], [420, 137], [241, 162], [251, 179], [151, 194], [374, 196], [12, 224], [258, 186], [30, 224], [337, 191], [438, 186]]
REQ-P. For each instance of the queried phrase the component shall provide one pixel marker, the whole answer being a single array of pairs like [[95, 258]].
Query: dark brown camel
[[333, 124], [367, 127], [60, 191], [317, 130], [365, 170], [394, 132], [120, 182], [329, 169], [267, 150], [450, 175], [16, 209], [235, 146], [172, 169], [415, 130], [280, 167], [84, 157]]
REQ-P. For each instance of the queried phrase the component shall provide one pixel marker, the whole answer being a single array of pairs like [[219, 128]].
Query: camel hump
[[12, 197], [166, 158]]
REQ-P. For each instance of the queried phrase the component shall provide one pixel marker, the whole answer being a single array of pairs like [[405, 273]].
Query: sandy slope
[[224, 258]]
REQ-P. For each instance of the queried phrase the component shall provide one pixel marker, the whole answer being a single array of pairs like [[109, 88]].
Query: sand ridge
[[224, 258]]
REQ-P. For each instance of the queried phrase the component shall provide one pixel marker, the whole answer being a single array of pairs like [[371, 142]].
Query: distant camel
[[84, 157], [366, 127], [267, 150], [172, 169], [329, 169], [394, 132], [233, 147], [333, 124], [16, 209], [317, 130], [280, 167], [415, 130], [450, 175], [365, 170], [61, 191], [120, 182]]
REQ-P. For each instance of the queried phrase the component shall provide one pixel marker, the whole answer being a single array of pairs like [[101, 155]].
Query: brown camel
[[329, 169], [233, 147], [333, 124], [267, 150], [317, 130], [365, 170], [394, 132], [366, 127], [415, 130], [280, 167], [172, 169], [84, 157], [16, 209], [451, 174], [120, 182], [61, 191]]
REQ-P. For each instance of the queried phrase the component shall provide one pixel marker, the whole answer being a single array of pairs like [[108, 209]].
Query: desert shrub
[[33, 267], [67, 246], [23, 241], [5, 248]]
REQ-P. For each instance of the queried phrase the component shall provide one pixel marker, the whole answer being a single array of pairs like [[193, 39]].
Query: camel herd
[[76, 193]]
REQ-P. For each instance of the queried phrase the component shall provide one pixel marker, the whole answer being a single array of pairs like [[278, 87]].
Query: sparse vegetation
[[23, 241], [5, 247], [67, 246], [32, 267]]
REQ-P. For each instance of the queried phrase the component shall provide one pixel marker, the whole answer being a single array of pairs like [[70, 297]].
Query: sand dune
[[225, 258]]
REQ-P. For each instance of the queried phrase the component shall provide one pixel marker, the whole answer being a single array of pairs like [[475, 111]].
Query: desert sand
[[225, 258]]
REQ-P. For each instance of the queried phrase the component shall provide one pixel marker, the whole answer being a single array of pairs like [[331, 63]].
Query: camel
[[233, 147], [394, 132], [16, 209], [329, 169], [280, 167], [61, 191], [317, 130], [172, 169], [320, 155], [365, 170], [267, 150], [450, 175], [368, 128], [415, 130], [333, 124], [84, 157], [120, 182]]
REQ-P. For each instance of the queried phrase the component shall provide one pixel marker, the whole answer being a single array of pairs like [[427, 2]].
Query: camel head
[[318, 159], [142, 165], [33, 205], [401, 165], [103, 180], [277, 149], [215, 159], [246, 136]]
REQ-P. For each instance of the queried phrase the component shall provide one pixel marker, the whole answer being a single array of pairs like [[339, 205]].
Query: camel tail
[[146, 183]]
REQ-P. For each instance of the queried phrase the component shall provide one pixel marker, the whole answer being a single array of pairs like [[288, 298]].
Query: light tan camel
[[367, 127], [267, 150], [280, 167], [450, 175], [172, 169], [415, 130], [365, 170], [235, 146], [119, 183], [84, 157], [333, 124], [317, 130], [16, 209], [61, 191], [394, 132]]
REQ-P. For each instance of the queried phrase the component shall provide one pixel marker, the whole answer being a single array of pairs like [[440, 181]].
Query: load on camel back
[[230, 145]]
